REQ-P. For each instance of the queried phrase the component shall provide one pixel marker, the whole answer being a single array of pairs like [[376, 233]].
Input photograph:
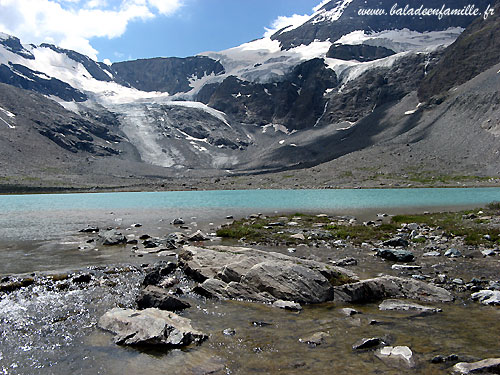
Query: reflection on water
[[48, 331]]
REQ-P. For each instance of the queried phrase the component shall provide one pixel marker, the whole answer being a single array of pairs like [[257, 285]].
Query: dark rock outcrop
[[476, 50], [170, 75], [296, 102], [25, 78], [359, 52]]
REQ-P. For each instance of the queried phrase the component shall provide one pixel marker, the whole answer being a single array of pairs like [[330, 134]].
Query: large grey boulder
[[255, 275], [150, 327], [390, 287], [486, 366]]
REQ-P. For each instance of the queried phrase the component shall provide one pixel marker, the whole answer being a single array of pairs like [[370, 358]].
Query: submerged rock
[[393, 304], [150, 327], [315, 339], [287, 305], [390, 287], [255, 275], [486, 366]]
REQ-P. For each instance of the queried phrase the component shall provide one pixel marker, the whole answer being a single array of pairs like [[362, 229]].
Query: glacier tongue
[[145, 133]]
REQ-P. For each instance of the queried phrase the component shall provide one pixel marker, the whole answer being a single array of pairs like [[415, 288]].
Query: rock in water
[[315, 339], [396, 255], [396, 355], [368, 343], [111, 238], [486, 366], [390, 287], [197, 236], [150, 327], [153, 296]]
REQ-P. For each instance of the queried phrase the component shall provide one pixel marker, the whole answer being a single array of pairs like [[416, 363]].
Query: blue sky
[[200, 25], [130, 29]]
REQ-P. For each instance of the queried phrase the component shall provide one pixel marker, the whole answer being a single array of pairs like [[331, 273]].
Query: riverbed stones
[[487, 297], [153, 296], [398, 305], [255, 275], [486, 366], [384, 287], [150, 327], [112, 238], [395, 255]]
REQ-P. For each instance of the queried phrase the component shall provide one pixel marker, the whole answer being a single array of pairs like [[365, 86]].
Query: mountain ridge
[[263, 107]]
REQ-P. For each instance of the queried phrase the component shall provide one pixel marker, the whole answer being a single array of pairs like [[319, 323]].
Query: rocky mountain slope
[[341, 92]]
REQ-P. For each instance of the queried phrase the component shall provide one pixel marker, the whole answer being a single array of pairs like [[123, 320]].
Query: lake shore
[[300, 179]]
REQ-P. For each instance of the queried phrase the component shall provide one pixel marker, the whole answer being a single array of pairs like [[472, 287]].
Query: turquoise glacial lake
[[282, 200]]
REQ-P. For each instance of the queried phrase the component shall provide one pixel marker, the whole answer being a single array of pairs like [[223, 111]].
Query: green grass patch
[[453, 224]]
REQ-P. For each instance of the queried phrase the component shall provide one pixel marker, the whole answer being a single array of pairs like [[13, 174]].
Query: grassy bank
[[476, 227]]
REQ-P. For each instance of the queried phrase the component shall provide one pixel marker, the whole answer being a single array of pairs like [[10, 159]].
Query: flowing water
[[47, 328]]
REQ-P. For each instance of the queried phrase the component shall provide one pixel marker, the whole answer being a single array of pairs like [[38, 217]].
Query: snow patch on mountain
[[403, 40], [9, 115], [332, 15]]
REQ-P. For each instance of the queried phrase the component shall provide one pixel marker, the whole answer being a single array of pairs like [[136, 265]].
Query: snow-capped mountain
[[263, 105]]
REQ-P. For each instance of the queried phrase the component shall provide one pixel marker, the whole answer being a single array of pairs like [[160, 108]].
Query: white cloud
[[166, 7], [284, 21], [72, 23]]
